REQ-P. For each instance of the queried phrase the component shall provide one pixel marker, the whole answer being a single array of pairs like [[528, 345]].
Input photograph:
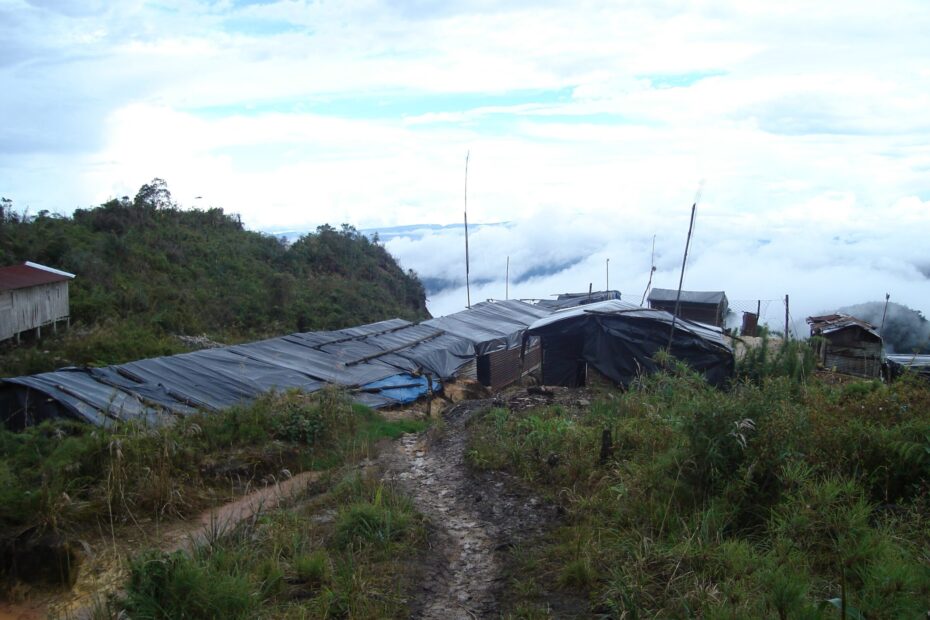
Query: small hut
[[31, 297], [619, 341], [710, 307], [847, 345]]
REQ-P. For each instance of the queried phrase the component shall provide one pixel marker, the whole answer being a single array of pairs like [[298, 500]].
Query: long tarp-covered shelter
[[620, 340], [496, 329], [381, 364]]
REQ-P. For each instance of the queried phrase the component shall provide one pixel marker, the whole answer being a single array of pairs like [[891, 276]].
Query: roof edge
[[49, 269]]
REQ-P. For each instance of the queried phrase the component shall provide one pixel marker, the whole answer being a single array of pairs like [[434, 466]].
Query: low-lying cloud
[[825, 255]]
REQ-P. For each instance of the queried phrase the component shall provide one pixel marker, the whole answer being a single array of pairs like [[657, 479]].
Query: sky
[[590, 126]]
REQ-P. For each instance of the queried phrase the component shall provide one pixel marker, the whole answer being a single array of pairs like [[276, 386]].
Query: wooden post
[[429, 396], [681, 279], [467, 284], [607, 447], [787, 337], [881, 330], [507, 280]]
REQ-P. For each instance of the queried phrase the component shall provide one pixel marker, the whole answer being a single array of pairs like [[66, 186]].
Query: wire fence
[[770, 311]]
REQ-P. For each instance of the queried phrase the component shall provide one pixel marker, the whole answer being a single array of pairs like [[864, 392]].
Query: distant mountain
[[386, 233]]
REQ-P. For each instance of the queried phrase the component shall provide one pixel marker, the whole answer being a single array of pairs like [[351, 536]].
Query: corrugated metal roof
[[29, 274], [687, 297], [829, 323]]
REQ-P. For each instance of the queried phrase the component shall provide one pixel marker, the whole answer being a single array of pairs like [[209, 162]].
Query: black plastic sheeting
[[573, 300], [382, 364], [898, 364], [619, 340], [491, 325], [687, 297]]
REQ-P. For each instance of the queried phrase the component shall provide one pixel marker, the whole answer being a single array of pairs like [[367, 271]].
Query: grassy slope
[[147, 269], [68, 478], [778, 498], [66, 475]]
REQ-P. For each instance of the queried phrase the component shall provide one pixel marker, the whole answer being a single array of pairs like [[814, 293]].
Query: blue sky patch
[[680, 80], [259, 27], [388, 105]]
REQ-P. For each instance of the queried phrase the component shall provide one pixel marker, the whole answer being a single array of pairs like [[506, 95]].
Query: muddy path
[[475, 518]]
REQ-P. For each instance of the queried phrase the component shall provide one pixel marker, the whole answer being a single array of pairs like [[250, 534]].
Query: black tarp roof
[[620, 340], [491, 325], [687, 297], [363, 358], [572, 300]]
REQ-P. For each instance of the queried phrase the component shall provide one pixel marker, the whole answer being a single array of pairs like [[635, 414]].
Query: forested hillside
[[148, 270]]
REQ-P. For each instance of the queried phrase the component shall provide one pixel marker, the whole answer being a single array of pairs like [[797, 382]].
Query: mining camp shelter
[[619, 341], [495, 329], [379, 365], [849, 345], [709, 307], [31, 297]]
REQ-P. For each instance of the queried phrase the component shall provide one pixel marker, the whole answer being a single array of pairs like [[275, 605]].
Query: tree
[[154, 195]]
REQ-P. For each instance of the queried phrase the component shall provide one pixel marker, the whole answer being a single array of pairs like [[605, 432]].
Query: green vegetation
[[63, 475], [147, 270], [778, 498], [290, 564]]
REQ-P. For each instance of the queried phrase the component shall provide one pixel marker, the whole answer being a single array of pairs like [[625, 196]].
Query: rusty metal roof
[[830, 323], [30, 274]]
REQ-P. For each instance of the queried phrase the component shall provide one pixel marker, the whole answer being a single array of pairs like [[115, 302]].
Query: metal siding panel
[[6, 316], [859, 366]]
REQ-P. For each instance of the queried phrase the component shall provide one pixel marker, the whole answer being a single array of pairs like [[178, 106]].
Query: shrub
[[175, 586]]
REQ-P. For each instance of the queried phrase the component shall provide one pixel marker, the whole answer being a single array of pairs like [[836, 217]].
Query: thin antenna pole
[[652, 270], [681, 278], [881, 330], [467, 283], [607, 278], [507, 280]]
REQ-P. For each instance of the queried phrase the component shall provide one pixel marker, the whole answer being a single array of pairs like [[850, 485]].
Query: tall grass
[[773, 498], [290, 564], [63, 474]]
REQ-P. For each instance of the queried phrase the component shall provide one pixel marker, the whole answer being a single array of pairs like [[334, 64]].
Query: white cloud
[[590, 124]]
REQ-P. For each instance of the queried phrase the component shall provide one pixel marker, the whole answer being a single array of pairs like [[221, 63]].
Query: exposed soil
[[475, 518]]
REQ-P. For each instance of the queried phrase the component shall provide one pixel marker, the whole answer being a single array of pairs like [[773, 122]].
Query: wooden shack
[[709, 307], [847, 345], [32, 296]]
